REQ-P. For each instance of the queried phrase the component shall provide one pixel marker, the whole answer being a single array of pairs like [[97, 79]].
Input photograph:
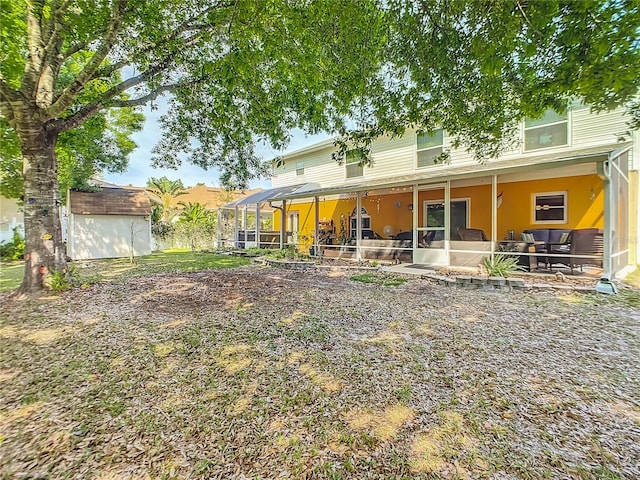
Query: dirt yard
[[263, 373]]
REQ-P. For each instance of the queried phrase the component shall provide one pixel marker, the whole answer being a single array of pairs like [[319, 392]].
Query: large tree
[[239, 71]]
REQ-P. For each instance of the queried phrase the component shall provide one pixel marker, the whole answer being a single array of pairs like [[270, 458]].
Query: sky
[[140, 169]]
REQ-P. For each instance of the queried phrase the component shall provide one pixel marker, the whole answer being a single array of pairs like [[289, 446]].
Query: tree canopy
[[477, 68], [242, 71]]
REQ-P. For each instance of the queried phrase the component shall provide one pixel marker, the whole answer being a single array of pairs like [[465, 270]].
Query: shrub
[[162, 230], [258, 251], [13, 250], [379, 279], [289, 253], [501, 265], [60, 280]]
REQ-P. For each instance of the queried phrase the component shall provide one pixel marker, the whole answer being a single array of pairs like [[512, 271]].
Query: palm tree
[[197, 221], [193, 212], [162, 193]]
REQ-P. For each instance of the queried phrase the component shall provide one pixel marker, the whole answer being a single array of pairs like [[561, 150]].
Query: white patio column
[[447, 221], [245, 224], [414, 216], [258, 224], [494, 212], [219, 229], [316, 248], [358, 224], [283, 223], [236, 227], [611, 220]]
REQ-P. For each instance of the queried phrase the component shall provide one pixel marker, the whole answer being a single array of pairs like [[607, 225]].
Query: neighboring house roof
[[111, 201], [211, 198]]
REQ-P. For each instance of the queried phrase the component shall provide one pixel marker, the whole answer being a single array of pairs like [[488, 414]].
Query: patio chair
[[433, 236], [584, 241], [472, 235]]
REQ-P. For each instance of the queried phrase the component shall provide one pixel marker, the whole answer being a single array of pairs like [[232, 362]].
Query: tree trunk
[[44, 249]]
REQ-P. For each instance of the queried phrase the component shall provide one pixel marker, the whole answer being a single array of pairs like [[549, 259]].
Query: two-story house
[[566, 196]]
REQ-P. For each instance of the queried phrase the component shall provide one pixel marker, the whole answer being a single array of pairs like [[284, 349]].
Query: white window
[[293, 225], [352, 161], [430, 148], [299, 168], [365, 224], [551, 130], [550, 207]]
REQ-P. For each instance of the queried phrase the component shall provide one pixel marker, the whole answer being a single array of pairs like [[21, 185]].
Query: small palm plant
[[501, 265]]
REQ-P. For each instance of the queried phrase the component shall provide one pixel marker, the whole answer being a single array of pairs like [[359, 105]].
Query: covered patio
[[551, 213]]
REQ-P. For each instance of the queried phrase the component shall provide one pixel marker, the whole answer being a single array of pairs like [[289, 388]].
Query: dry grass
[[261, 373]]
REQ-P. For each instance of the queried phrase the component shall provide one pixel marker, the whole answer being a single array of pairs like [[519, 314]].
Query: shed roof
[[110, 201]]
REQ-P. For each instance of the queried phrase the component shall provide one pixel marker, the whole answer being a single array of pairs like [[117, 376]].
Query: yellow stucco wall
[[585, 206], [585, 203]]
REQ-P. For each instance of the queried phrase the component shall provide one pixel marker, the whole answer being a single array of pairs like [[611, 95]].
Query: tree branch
[[70, 93], [34, 45], [75, 120], [186, 26], [140, 101], [73, 49], [5, 89], [526, 18], [87, 111], [8, 97], [54, 27], [64, 124], [57, 9], [52, 60]]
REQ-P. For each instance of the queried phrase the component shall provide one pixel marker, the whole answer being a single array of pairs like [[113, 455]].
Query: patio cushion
[[527, 237], [546, 235]]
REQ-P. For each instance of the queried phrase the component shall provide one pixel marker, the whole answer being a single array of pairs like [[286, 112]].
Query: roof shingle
[[111, 201]]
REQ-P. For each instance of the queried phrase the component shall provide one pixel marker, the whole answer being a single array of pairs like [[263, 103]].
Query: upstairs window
[[551, 130], [352, 161], [430, 147], [299, 168], [550, 207]]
